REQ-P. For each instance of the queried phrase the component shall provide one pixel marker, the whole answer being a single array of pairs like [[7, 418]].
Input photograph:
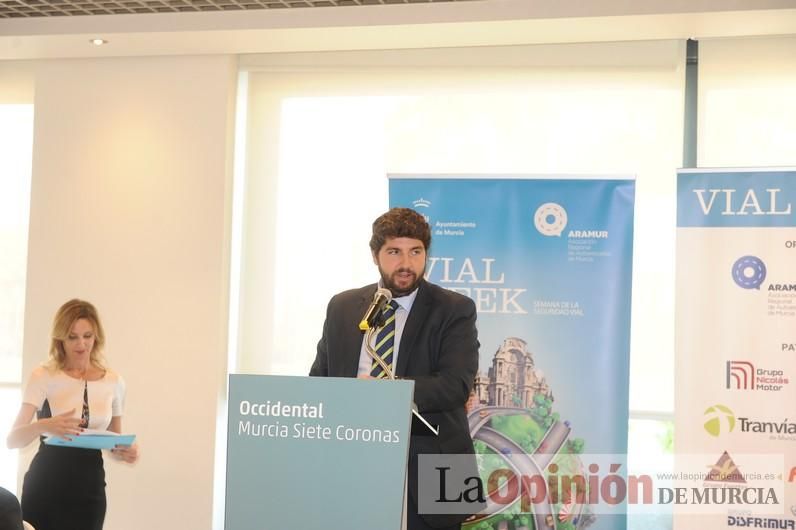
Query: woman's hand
[[128, 453], [63, 425]]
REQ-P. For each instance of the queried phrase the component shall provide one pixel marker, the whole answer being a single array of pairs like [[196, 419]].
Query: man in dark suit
[[10, 512], [436, 344]]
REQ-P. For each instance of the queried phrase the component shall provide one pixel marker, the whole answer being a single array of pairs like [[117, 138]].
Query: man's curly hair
[[400, 222]]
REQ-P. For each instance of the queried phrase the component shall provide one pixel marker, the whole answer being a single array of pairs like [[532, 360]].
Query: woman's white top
[[64, 393]]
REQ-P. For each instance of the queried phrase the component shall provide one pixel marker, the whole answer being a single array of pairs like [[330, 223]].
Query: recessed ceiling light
[[98, 42]]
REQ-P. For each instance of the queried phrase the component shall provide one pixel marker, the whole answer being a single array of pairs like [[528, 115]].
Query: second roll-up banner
[[548, 262]]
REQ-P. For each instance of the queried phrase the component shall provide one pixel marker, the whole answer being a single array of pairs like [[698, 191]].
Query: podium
[[316, 452]]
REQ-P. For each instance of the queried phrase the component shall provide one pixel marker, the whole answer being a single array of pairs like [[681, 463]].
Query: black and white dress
[[64, 488]]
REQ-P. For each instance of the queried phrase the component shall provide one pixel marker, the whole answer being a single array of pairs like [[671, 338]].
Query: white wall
[[129, 209], [16, 82]]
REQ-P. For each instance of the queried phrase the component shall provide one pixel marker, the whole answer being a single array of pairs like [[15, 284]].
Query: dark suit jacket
[[438, 350], [10, 512]]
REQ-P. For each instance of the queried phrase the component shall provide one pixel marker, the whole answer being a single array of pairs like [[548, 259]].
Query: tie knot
[[391, 306]]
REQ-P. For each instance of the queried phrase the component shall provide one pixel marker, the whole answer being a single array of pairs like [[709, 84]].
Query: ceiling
[[70, 8], [58, 29]]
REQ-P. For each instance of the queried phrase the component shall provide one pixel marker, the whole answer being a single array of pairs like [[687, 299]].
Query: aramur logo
[[550, 219], [749, 272], [740, 375], [718, 419]]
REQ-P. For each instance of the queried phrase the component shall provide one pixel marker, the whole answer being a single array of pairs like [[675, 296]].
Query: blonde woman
[[64, 487]]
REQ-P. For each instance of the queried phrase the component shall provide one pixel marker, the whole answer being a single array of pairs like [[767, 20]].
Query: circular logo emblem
[[550, 219], [719, 418], [749, 272]]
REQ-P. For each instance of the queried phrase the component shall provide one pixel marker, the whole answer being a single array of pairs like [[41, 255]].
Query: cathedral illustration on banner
[[513, 379]]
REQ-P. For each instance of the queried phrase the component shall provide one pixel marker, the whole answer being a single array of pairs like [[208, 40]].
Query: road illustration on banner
[[518, 460], [502, 407]]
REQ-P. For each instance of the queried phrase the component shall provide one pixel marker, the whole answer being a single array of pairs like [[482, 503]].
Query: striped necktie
[[385, 341]]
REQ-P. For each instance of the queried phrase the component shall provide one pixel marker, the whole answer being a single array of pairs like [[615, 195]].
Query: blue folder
[[92, 441]]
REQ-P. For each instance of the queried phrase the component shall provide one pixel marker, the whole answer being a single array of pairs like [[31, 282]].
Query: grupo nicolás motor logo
[[718, 419], [743, 375], [550, 219], [749, 272]]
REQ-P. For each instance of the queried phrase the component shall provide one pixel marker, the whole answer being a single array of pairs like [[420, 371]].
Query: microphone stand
[[416, 417]]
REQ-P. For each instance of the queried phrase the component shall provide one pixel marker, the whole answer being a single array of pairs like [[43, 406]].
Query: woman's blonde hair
[[67, 315]]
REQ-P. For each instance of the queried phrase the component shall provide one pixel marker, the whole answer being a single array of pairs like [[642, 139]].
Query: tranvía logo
[[749, 272], [550, 219], [719, 418], [743, 375]]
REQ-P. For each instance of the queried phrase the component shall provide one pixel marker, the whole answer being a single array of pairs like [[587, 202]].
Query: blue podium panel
[[316, 452]]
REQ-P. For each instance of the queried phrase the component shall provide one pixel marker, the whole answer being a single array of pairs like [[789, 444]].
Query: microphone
[[380, 299]]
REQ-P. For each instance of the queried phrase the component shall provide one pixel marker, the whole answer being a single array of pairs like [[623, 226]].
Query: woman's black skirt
[[64, 489]]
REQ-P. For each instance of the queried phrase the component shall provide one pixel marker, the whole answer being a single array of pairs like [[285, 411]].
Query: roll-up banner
[[548, 263], [736, 338]]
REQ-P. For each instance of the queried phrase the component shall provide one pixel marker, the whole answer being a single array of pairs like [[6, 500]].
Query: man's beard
[[390, 284]]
